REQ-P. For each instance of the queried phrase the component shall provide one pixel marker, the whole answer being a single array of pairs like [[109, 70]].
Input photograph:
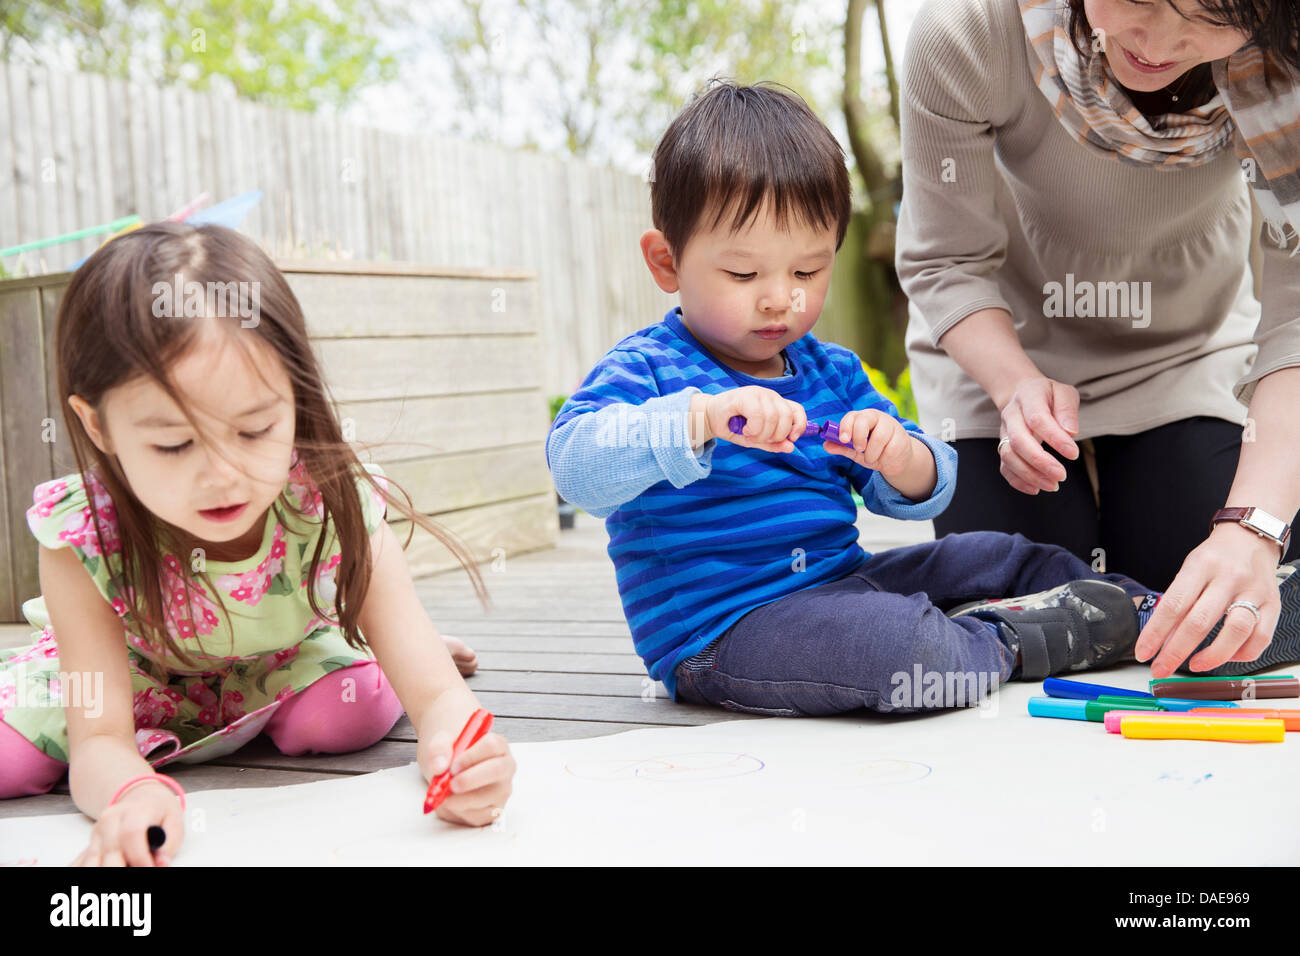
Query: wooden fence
[[78, 149], [424, 364]]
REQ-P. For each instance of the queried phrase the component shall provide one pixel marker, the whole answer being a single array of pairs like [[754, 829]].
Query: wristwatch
[[1261, 522]]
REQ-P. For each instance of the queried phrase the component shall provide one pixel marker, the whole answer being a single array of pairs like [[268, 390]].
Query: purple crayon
[[828, 432]]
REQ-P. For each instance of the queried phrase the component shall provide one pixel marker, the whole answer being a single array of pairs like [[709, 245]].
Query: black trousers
[[1156, 491]]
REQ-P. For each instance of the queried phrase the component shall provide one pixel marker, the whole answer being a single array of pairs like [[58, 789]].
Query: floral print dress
[[277, 647]]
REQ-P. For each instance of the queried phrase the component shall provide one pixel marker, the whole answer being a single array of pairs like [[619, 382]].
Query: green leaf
[[900, 393], [301, 55]]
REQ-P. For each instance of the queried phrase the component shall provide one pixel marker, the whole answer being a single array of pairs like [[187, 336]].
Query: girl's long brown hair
[[107, 334]]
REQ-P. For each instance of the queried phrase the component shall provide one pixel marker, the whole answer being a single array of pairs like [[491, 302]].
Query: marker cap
[[1058, 707]]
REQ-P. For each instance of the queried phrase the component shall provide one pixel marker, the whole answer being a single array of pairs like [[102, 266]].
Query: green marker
[[115, 226], [1096, 710]]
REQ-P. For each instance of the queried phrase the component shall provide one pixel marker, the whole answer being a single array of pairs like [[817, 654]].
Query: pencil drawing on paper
[[882, 771]]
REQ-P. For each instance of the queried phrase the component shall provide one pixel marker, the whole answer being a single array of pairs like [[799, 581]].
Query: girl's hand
[[464, 656], [1039, 410], [119, 837], [772, 422], [880, 442], [481, 779], [1232, 564]]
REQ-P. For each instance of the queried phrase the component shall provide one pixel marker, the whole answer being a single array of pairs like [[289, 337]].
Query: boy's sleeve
[[617, 436], [877, 493]]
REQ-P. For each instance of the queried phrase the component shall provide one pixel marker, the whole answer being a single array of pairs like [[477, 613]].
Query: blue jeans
[[871, 637]]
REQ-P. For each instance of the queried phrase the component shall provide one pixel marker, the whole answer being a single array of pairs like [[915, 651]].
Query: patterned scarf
[[1256, 110]]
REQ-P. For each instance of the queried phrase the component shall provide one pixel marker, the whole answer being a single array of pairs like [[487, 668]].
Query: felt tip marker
[[1058, 707], [1166, 703], [1114, 717], [1078, 690], [1226, 688], [828, 432], [1096, 710], [1186, 727], [156, 837], [1290, 718], [1177, 704], [479, 723]]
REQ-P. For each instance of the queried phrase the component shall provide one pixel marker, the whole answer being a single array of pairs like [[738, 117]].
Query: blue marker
[[1077, 690], [1176, 703], [1165, 703], [1058, 707]]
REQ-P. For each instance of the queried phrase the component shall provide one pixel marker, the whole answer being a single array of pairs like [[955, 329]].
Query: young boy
[[736, 552]]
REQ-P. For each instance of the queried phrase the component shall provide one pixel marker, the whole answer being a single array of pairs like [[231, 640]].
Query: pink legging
[[315, 720]]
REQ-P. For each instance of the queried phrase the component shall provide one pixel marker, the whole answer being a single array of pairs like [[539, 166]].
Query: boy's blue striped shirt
[[701, 538]]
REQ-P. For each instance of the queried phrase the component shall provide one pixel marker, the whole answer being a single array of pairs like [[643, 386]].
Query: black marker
[[156, 836]]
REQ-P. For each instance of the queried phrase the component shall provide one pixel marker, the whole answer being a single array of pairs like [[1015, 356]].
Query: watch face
[[1265, 522]]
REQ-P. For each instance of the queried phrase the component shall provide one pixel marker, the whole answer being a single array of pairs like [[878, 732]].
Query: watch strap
[[1243, 515]]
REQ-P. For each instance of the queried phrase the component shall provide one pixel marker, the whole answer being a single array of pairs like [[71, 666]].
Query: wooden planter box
[[443, 366]]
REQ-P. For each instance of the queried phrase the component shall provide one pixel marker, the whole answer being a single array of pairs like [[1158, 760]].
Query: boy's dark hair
[[733, 147]]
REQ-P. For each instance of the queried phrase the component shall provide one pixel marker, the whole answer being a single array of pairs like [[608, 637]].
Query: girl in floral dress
[[219, 565]]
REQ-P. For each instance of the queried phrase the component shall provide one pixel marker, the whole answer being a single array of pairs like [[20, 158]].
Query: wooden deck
[[555, 663]]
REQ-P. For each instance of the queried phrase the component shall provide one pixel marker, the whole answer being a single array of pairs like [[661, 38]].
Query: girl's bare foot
[[464, 656]]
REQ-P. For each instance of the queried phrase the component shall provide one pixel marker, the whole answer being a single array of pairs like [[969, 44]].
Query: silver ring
[[1001, 443], [1252, 608]]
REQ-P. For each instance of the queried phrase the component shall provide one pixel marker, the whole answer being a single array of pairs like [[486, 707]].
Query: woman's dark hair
[[733, 147], [1272, 25], [107, 334]]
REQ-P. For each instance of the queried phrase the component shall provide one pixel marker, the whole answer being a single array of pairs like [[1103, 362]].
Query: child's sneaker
[[1285, 646], [1076, 626]]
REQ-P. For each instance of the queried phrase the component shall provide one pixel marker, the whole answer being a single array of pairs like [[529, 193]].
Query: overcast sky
[[417, 102]]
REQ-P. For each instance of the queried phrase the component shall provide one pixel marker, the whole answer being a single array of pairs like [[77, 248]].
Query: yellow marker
[[1183, 727]]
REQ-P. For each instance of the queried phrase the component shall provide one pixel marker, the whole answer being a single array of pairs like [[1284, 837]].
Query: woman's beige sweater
[[1130, 283]]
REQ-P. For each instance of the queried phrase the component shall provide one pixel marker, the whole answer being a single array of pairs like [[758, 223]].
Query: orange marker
[[1289, 718]]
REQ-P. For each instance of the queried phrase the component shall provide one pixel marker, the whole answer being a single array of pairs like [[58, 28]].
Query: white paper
[[988, 784]]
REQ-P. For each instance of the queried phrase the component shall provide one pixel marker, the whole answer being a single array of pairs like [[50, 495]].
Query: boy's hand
[[772, 422], [879, 442], [481, 776]]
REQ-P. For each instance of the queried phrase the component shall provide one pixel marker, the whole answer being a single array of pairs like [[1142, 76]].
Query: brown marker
[[1225, 688]]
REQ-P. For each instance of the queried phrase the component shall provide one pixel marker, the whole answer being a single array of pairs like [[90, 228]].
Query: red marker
[[479, 723]]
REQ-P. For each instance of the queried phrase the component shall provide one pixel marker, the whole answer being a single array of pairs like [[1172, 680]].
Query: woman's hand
[[1038, 410], [1232, 564], [481, 776], [119, 836]]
